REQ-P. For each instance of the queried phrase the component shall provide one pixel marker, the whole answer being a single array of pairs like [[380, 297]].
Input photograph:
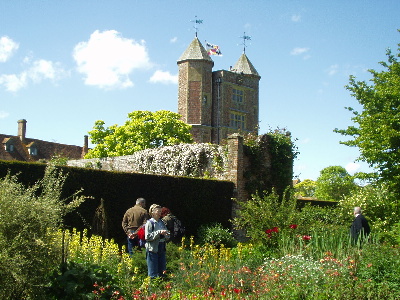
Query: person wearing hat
[[133, 218], [156, 235]]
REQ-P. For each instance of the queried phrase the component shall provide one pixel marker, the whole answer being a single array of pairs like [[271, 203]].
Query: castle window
[[237, 96], [237, 121]]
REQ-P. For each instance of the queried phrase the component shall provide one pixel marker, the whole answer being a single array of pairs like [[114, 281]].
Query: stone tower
[[217, 103]]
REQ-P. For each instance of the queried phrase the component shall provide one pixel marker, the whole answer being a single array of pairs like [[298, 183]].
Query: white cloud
[[298, 51], [164, 77], [3, 114], [45, 69], [13, 82], [7, 48], [107, 59], [173, 40], [38, 71], [332, 70], [352, 167], [296, 18]]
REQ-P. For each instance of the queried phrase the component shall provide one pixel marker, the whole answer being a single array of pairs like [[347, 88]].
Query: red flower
[[306, 237], [293, 226], [275, 229], [236, 290], [268, 231]]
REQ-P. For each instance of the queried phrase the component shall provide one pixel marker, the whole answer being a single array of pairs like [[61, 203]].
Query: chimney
[[85, 148], [22, 130]]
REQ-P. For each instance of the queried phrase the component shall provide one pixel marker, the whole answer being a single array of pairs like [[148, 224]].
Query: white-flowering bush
[[194, 160]]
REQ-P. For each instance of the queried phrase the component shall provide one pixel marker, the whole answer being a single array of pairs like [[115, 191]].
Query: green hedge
[[194, 201]]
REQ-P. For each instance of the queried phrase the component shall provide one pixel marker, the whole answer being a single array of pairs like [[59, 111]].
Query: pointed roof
[[243, 65], [195, 51]]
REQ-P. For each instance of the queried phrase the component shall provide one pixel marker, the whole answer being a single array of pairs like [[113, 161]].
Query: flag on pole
[[213, 49]]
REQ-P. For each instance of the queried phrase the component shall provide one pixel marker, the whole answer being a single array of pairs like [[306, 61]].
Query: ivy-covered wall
[[269, 162], [195, 201]]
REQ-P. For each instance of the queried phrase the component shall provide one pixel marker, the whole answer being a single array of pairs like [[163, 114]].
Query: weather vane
[[196, 21], [245, 38]]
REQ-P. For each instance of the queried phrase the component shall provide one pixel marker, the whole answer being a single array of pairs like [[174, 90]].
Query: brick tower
[[195, 90], [217, 103]]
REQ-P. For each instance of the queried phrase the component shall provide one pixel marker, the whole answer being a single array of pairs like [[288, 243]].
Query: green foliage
[[264, 212], [305, 188], [312, 216], [379, 204], [271, 157], [216, 235], [380, 264], [334, 183], [377, 127], [82, 281], [142, 130], [29, 217], [59, 160]]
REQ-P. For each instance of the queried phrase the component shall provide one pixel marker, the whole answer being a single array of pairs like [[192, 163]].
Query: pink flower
[[306, 237], [293, 226]]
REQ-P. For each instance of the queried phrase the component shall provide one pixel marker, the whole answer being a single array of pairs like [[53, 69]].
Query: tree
[[334, 183], [305, 188], [377, 129], [142, 130]]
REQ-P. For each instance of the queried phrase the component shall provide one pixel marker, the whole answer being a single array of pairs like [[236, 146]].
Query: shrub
[[215, 234], [29, 217], [263, 212], [380, 263], [82, 281]]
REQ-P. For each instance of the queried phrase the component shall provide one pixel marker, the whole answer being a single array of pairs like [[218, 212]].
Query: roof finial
[[245, 38], [196, 21]]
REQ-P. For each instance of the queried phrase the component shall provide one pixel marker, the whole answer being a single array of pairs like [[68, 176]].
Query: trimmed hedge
[[194, 201]]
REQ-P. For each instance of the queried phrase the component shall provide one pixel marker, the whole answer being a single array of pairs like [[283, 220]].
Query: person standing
[[173, 224], [359, 227], [133, 218], [156, 235]]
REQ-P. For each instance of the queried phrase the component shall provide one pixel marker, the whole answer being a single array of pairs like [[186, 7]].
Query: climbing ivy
[[271, 157]]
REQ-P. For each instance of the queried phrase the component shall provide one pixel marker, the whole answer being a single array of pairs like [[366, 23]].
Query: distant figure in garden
[[156, 235], [133, 219], [174, 225], [359, 229]]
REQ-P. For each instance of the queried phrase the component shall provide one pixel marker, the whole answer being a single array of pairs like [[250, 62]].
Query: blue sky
[[66, 64]]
